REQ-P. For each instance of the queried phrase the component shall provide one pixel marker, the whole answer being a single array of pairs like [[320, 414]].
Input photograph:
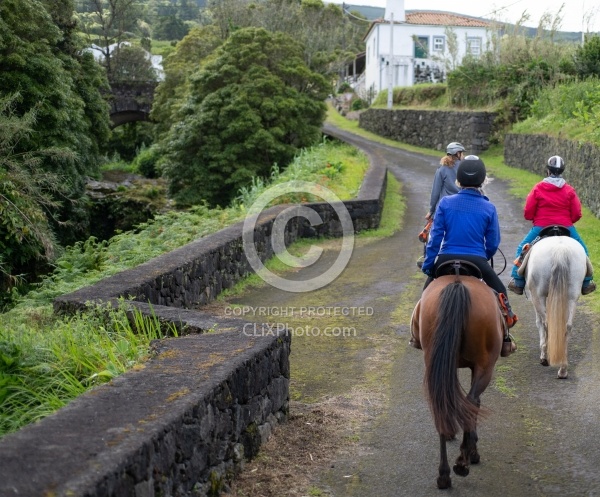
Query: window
[[438, 44], [421, 47], [474, 46]]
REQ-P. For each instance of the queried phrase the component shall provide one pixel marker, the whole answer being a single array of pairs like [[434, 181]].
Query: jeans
[[529, 237]]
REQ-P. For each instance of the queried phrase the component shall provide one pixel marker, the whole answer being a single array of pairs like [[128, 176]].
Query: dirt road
[[541, 437]]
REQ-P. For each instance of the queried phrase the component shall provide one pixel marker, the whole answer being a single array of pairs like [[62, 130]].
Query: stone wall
[[531, 152], [197, 272], [184, 423], [431, 128], [181, 426]]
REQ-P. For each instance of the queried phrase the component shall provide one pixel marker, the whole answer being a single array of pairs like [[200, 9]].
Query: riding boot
[[588, 286], [516, 285], [510, 319]]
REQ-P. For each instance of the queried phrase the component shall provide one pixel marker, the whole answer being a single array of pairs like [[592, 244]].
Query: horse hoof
[[474, 458], [461, 470], [444, 482], [562, 375], [544, 362]]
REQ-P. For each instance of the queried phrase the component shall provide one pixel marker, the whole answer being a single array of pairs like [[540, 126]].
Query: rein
[[492, 262]]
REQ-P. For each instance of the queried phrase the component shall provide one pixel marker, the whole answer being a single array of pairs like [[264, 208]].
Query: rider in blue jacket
[[465, 226]]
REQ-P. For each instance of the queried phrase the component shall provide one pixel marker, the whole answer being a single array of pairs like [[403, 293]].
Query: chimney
[[395, 7]]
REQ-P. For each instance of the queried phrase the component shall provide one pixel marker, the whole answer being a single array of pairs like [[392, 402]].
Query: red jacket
[[548, 204]]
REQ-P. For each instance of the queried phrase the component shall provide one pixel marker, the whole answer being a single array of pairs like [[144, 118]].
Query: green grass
[[47, 362], [570, 110], [392, 216]]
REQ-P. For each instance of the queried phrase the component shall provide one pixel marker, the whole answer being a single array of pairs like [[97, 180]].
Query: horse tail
[[557, 309], [449, 405]]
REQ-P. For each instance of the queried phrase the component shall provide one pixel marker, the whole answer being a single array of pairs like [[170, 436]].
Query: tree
[[330, 39], [27, 197], [170, 28], [108, 23], [40, 59], [253, 105], [587, 58], [187, 58], [131, 63]]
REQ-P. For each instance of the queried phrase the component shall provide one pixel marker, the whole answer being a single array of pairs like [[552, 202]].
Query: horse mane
[[451, 410]]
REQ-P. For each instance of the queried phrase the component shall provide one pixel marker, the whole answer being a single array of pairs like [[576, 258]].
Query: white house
[[414, 46]]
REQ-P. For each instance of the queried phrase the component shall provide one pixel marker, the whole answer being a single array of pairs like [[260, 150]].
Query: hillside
[[373, 13]]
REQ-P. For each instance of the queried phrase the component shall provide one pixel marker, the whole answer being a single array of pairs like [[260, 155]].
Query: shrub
[[146, 162]]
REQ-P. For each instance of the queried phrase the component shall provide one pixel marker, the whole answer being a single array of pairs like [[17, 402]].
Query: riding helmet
[[471, 172], [556, 165], [454, 147]]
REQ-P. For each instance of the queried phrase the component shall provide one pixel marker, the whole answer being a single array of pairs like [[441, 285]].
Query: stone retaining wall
[[181, 426], [184, 423], [531, 152], [431, 128]]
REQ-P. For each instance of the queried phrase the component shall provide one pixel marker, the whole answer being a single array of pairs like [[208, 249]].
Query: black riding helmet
[[556, 165], [471, 172]]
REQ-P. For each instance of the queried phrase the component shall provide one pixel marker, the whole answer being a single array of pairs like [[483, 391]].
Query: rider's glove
[[428, 272]]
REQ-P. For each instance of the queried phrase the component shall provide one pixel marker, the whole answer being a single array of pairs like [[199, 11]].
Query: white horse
[[554, 275]]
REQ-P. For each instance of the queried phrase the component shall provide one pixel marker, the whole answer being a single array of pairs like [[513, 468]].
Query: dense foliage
[[188, 57], [55, 125], [570, 110], [26, 201], [587, 58], [253, 105]]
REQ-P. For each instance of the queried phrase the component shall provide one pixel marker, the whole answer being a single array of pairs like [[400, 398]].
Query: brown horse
[[459, 325]]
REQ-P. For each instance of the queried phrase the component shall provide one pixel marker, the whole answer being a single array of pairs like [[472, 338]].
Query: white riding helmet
[[556, 164], [454, 147]]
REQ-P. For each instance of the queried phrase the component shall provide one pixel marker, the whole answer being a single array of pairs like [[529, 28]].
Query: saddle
[[552, 230], [459, 268]]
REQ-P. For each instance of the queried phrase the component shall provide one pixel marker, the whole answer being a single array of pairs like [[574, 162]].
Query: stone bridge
[[131, 101]]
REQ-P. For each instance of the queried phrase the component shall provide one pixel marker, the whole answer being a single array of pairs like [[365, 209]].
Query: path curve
[[541, 436]]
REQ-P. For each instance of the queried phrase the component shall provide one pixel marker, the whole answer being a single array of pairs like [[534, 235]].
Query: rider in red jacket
[[551, 201]]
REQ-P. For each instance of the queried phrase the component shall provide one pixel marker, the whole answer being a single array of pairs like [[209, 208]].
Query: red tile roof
[[437, 18]]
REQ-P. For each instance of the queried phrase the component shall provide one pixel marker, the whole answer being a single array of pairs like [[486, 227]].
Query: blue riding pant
[[529, 237]]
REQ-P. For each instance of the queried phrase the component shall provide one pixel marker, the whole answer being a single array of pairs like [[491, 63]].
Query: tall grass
[[46, 362]]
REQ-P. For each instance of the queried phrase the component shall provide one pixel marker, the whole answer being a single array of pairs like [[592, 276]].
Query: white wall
[[403, 60]]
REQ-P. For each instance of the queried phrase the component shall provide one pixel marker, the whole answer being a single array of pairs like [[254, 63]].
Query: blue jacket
[[464, 224]]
